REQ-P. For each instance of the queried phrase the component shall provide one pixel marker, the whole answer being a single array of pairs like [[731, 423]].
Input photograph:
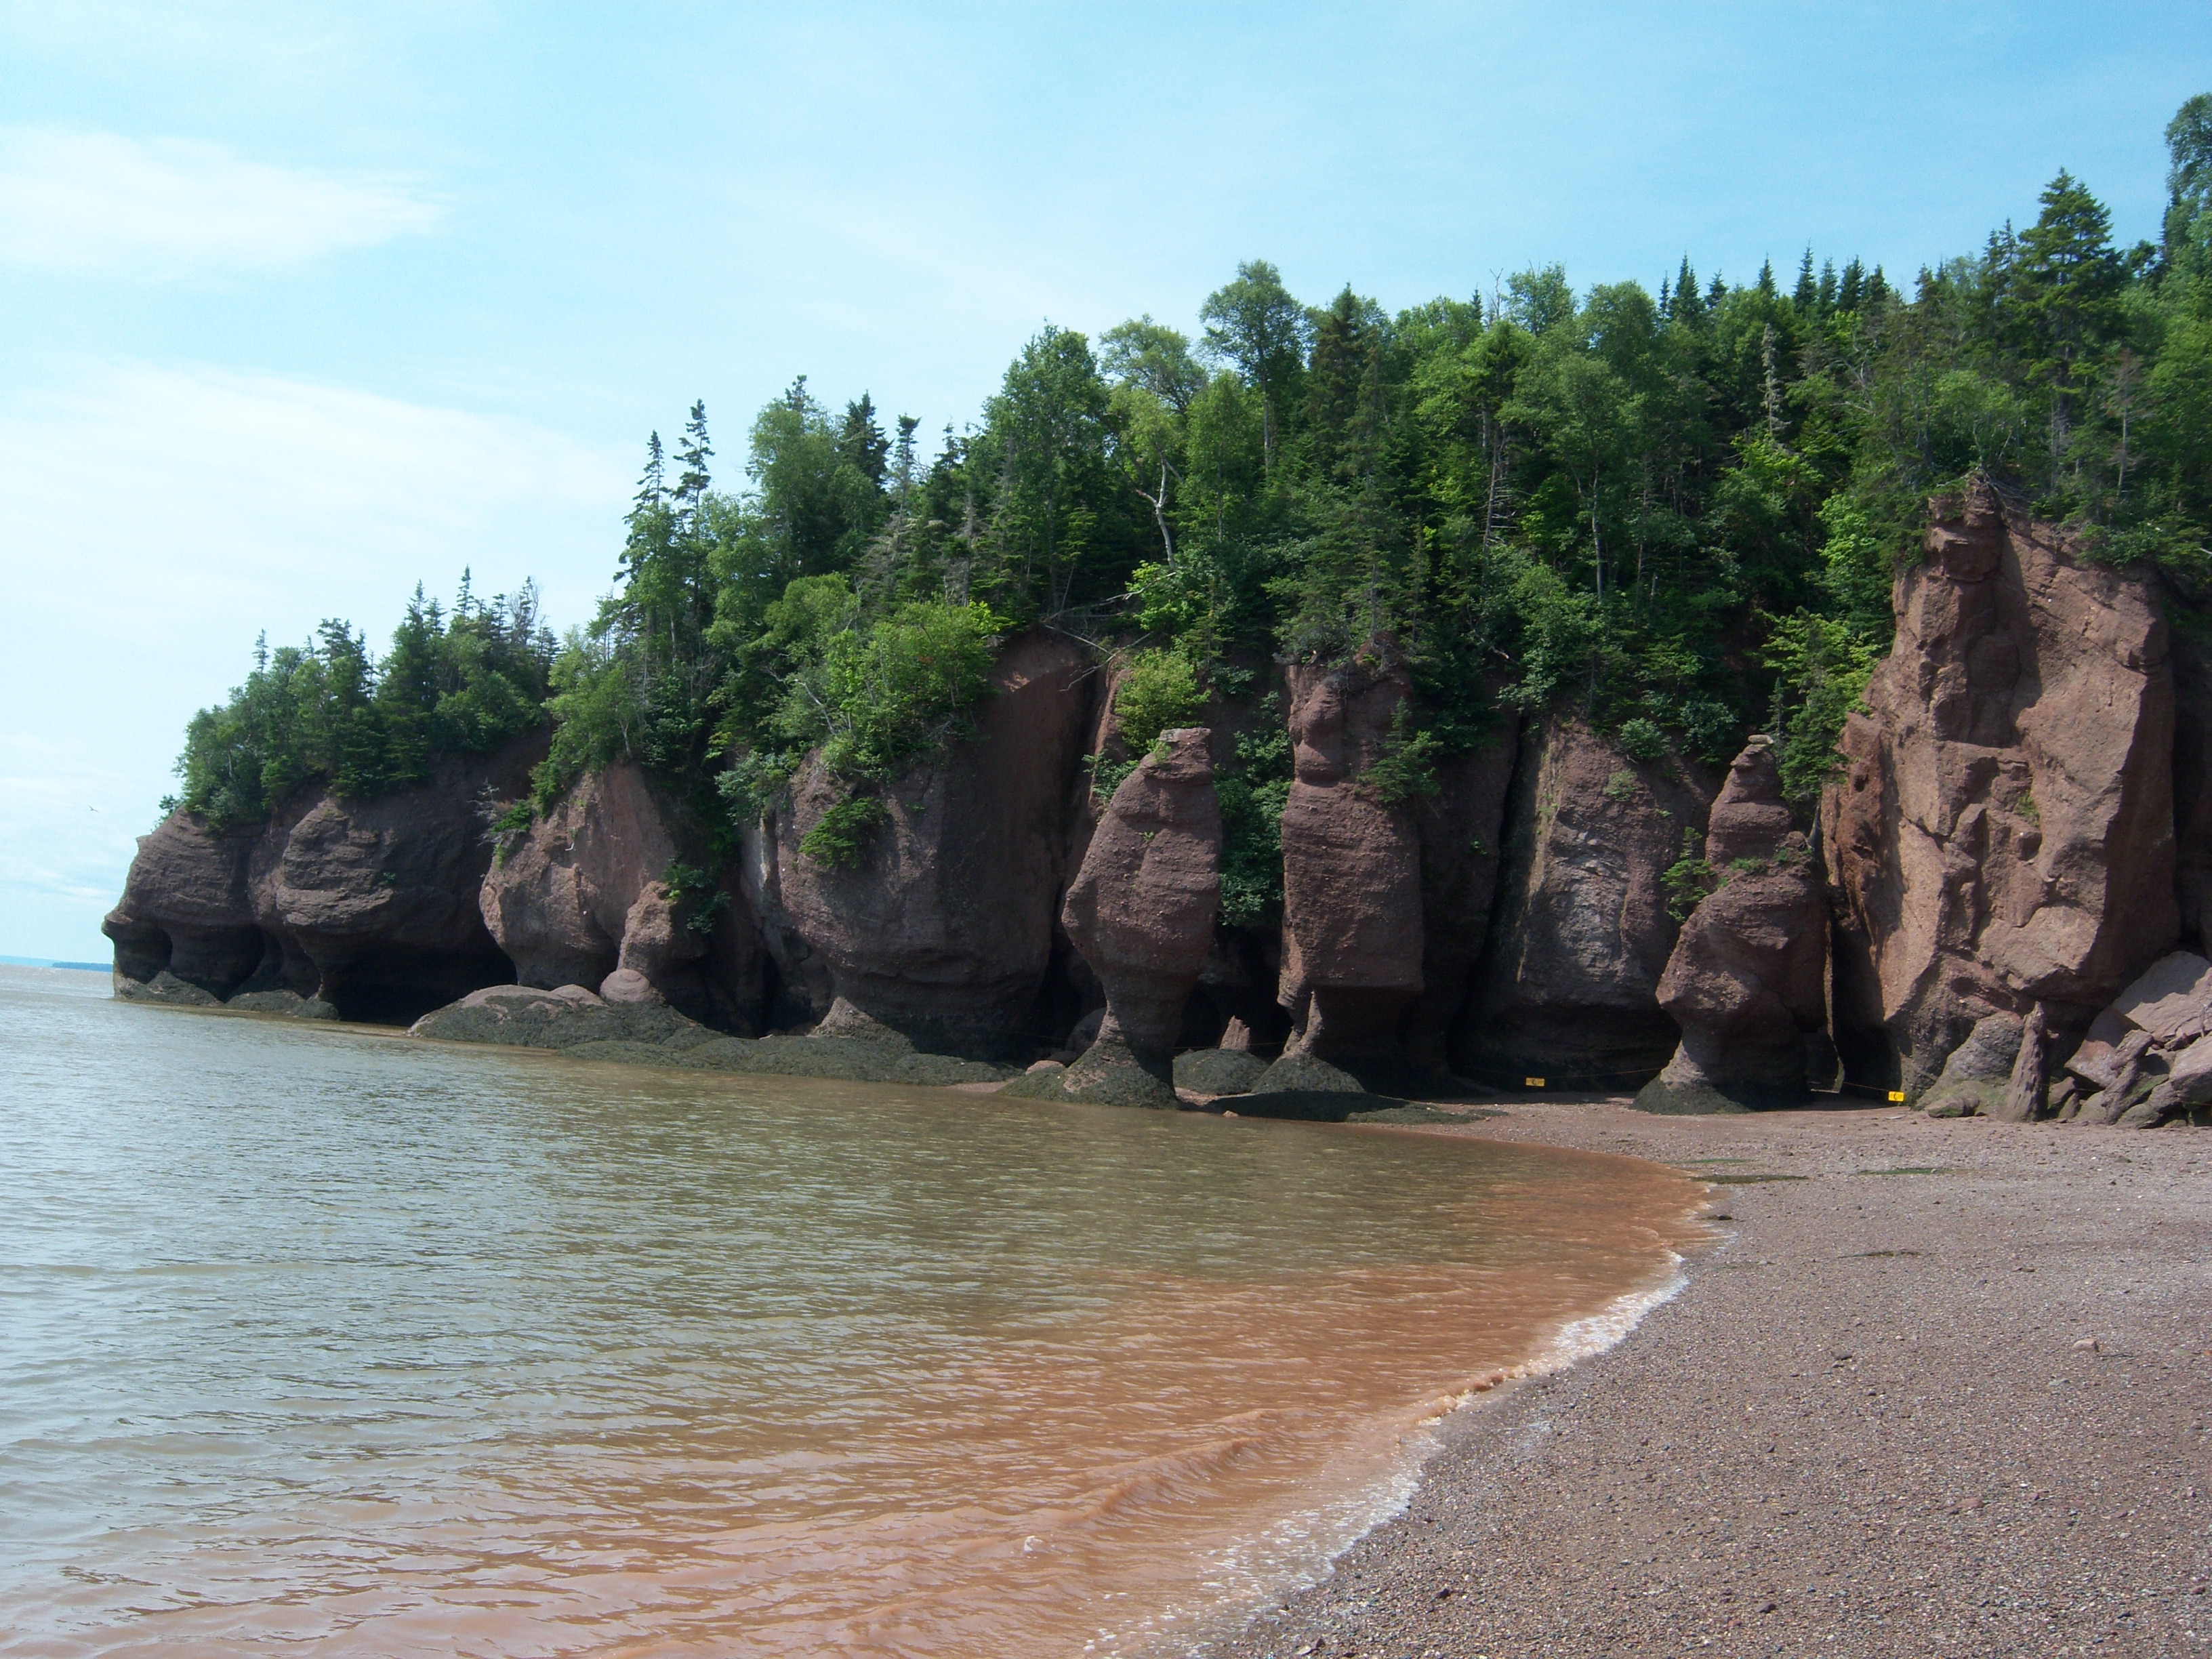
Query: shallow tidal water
[[335, 1343]]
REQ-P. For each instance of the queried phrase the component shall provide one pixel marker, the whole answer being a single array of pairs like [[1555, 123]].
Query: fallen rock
[[1306, 1074], [1218, 1070], [2172, 1001], [2134, 1071], [1567, 988], [1978, 1074], [523, 1015], [2028, 1087], [1747, 981], [1353, 935], [2002, 832], [289, 1004]]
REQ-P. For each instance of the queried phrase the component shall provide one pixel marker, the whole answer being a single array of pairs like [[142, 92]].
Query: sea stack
[[1747, 981], [1142, 911]]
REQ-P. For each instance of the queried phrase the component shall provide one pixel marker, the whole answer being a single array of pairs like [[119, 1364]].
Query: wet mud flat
[[1872, 1422]]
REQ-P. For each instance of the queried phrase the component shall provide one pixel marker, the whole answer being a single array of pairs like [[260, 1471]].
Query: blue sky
[[305, 304]]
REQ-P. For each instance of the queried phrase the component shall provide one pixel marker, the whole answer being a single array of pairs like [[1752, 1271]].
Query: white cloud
[[154, 519], [168, 206]]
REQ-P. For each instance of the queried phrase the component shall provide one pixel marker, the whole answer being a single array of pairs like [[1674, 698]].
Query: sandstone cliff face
[[1461, 830], [1748, 982], [2003, 832], [942, 929], [1353, 939], [1567, 988], [559, 901], [1142, 911], [580, 899], [368, 906]]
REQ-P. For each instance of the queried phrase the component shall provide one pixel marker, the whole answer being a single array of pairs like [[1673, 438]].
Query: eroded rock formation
[[941, 928], [1567, 988], [1353, 940], [1747, 981], [2003, 832], [1141, 910], [366, 908], [582, 898]]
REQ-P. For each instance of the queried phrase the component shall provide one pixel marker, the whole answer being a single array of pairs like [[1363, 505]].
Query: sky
[[302, 305]]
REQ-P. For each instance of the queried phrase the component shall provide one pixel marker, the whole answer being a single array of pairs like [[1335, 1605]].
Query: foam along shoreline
[[1942, 1386], [1366, 1489]]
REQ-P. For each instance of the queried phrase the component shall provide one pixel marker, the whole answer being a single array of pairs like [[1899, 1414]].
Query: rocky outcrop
[[558, 898], [1353, 940], [367, 909], [2002, 833], [1747, 981], [941, 927], [582, 898], [1142, 911], [1567, 988], [582, 1026]]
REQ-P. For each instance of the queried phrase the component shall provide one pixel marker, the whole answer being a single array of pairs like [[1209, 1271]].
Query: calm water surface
[[333, 1343]]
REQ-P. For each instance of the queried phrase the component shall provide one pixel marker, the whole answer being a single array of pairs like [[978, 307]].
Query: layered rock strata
[[1748, 982], [2002, 833]]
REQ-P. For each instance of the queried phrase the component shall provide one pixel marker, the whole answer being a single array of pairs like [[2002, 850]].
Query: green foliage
[[1621, 788], [841, 836], [1641, 739], [1406, 768], [1158, 691], [1688, 879], [1821, 668], [1253, 789], [697, 898], [453, 684]]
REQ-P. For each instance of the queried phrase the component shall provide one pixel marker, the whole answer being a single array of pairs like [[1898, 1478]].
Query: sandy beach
[[1935, 1387]]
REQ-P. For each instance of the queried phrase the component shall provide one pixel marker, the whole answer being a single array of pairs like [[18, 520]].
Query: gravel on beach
[[1936, 1387]]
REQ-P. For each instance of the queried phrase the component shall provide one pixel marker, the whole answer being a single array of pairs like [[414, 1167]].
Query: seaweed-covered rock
[[2002, 833], [1218, 1070], [164, 989], [290, 1004], [1747, 981], [523, 1015]]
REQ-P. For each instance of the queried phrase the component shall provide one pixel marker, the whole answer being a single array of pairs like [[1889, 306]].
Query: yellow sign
[[1532, 1082], [1898, 1094]]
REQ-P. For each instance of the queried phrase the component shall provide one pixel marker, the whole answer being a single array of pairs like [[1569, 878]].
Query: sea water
[[331, 1341]]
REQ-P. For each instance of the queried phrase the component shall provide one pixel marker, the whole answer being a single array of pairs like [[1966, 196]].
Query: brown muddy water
[[335, 1343]]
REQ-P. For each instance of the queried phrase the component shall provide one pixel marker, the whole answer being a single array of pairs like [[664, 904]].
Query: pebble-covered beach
[[1936, 1387]]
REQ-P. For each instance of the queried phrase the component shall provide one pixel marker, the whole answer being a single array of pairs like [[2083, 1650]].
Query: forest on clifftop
[[1679, 514]]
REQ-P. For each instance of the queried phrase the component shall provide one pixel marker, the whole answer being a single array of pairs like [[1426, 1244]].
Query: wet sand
[[1870, 1424]]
